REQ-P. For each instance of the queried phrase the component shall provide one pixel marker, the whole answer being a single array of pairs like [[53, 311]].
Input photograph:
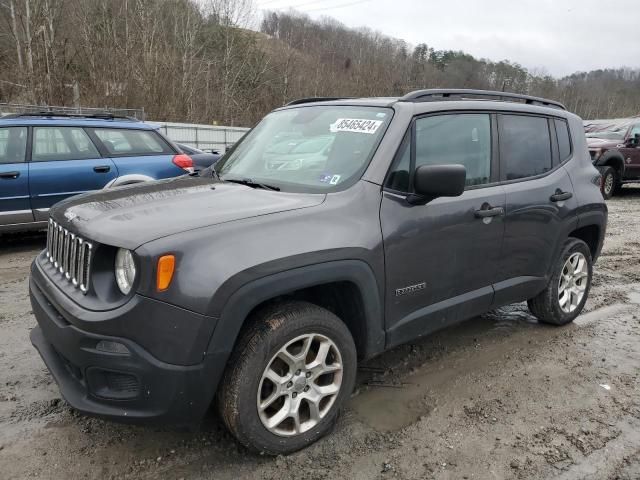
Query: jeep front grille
[[70, 255]]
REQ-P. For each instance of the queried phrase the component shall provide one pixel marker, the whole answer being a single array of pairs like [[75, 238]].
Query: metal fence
[[204, 137], [9, 108]]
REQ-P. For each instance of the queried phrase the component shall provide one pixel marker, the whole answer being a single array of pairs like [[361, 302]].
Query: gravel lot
[[499, 396]]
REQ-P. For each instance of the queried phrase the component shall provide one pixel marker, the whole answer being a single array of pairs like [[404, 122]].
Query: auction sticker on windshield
[[356, 125]]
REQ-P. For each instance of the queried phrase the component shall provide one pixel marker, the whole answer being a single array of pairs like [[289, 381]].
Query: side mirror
[[633, 141], [433, 181]]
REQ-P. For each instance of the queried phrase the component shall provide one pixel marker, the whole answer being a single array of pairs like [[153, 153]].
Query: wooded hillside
[[196, 61]]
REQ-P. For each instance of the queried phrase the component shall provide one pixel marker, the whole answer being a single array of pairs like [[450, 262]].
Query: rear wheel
[[566, 293], [290, 373]]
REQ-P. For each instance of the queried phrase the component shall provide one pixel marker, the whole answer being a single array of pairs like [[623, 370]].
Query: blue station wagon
[[46, 158]]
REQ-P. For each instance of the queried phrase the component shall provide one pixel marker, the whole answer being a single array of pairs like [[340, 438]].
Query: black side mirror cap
[[433, 181]]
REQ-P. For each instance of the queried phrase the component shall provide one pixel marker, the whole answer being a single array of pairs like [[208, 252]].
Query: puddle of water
[[390, 407], [395, 406], [600, 314], [634, 297]]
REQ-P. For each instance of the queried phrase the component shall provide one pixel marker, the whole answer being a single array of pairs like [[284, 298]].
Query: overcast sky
[[559, 36]]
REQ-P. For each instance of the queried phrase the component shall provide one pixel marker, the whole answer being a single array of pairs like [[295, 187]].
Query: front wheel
[[290, 373], [609, 182], [566, 293]]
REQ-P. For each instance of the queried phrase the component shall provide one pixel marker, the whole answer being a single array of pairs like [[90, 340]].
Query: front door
[[14, 177], [631, 154], [441, 258], [64, 162]]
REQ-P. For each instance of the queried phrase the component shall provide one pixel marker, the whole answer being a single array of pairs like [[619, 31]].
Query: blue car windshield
[[308, 149]]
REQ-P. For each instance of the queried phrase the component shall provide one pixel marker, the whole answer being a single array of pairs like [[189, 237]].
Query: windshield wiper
[[250, 183], [206, 171]]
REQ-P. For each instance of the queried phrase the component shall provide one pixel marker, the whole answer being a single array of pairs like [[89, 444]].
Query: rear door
[[14, 176], [139, 154], [540, 204], [64, 162]]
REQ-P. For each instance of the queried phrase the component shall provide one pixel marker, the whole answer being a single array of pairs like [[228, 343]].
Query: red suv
[[615, 150]]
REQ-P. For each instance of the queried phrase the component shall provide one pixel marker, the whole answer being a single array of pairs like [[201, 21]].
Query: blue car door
[[14, 177], [64, 162]]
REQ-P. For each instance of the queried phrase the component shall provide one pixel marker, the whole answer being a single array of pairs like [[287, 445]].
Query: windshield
[[608, 131], [307, 149]]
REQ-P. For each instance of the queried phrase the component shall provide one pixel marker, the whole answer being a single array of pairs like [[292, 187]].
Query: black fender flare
[[253, 293], [594, 217], [569, 226], [612, 158]]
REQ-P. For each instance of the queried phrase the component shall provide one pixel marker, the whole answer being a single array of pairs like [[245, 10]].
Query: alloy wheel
[[300, 385], [573, 282], [608, 184]]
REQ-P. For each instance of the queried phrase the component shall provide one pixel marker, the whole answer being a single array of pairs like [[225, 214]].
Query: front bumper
[[130, 387]]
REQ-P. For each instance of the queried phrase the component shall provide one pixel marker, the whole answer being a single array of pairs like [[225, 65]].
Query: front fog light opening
[[125, 270], [108, 346]]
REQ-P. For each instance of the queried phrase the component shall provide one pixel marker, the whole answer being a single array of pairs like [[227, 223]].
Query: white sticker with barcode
[[356, 125]]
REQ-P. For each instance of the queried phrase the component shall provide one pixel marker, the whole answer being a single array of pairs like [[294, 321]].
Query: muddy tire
[[610, 182], [566, 293], [291, 371]]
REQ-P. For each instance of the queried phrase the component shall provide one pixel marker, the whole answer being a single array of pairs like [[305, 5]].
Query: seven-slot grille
[[69, 254]]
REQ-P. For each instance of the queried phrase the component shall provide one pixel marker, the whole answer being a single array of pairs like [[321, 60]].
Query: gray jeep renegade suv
[[264, 282]]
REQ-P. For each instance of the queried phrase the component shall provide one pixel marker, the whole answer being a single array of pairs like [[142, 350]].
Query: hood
[[136, 214], [594, 142]]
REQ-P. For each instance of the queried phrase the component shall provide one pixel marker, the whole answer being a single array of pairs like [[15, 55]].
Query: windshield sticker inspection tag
[[357, 125]]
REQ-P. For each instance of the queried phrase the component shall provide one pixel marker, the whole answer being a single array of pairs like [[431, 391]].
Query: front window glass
[[62, 143], [314, 148], [463, 139]]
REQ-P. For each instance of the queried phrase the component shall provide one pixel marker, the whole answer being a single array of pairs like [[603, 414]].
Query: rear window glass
[[131, 142], [564, 142], [62, 143], [525, 146], [13, 144]]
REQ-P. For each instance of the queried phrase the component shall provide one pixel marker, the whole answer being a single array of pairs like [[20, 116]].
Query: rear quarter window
[[564, 140], [122, 142], [525, 146]]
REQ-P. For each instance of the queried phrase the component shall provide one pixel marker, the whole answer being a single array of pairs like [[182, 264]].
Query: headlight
[[125, 270]]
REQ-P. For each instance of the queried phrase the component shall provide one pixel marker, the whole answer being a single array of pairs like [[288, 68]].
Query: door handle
[[489, 212], [102, 168], [10, 175], [560, 196]]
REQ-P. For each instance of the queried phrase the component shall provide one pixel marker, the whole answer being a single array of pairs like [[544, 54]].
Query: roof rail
[[314, 99], [434, 95], [52, 113]]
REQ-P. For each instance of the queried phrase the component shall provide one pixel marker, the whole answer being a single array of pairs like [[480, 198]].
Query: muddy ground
[[499, 396]]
